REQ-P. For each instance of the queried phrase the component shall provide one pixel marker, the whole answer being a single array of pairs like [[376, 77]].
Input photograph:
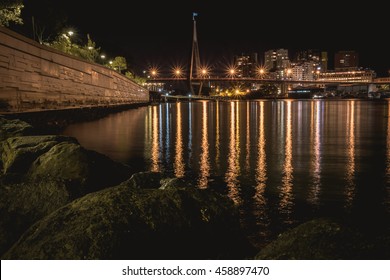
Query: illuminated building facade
[[348, 76], [246, 65], [276, 59]]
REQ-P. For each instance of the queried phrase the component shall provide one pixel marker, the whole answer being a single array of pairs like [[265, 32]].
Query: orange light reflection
[[350, 187], [155, 140], [179, 163], [261, 170], [287, 184], [233, 169], [204, 158]]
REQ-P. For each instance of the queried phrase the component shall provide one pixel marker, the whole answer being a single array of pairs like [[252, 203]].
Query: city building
[[324, 61], [304, 71], [246, 64], [349, 76], [307, 55], [307, 64], [346, 60], [276, 59]]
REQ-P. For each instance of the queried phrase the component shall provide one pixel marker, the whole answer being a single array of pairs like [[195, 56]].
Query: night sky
[[159, 33]]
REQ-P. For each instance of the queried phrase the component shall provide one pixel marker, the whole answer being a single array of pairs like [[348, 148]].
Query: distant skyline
[[160, 32]]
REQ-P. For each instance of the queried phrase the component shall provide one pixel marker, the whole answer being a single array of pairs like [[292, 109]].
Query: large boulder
[[13, 128], [144, 180], [42, 174], [85, 170], [25, 203], [326, 239], [18, 153], [127, 223]]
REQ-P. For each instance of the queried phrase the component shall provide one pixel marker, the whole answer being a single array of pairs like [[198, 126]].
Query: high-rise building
[[246, 64], [346, 60], [307, 55], [276, 59], [324, 61]]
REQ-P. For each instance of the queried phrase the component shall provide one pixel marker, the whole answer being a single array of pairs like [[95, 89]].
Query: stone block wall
[[35, 77]]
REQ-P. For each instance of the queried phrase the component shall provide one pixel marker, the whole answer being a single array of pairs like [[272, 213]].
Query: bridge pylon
[[195, 59]]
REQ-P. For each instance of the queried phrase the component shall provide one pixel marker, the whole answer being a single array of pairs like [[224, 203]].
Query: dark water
[[283, 162]]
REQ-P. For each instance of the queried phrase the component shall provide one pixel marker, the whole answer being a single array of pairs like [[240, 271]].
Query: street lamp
[[177, 72], [231, 72], [203, 72], [261, 72]]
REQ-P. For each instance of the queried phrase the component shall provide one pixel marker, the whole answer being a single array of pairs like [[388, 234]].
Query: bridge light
[[261, 71], [177, 72], [203, 72]]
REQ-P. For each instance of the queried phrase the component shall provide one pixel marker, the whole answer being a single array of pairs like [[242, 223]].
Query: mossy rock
[[144, 180], [25, 203], [13, 128], [320, 239], [18, 153], [125, 223], [86, 170]]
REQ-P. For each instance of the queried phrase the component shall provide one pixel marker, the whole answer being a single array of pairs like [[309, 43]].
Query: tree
[[137, 79], [119, 63], [63, 43], [89, 51], [10, 11]]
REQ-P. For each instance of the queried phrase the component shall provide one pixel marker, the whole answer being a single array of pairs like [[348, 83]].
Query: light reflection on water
[[286, 190], [282, 162], [350, 154], [204, 162], [179, 161], [315, 136], [233, 170]]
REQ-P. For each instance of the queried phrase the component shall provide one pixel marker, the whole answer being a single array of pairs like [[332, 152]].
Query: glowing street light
[[261, 71], [153, 72], [203, 71], [232, 71], [70, 32], [177, 72]]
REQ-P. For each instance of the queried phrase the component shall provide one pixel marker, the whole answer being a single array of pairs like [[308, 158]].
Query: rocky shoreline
[[61, 201]]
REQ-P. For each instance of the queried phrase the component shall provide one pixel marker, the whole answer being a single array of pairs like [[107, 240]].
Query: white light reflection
[[189, 132], [316, 151], [167, 139]]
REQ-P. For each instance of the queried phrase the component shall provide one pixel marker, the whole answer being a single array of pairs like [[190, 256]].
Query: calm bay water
[[282, 162]]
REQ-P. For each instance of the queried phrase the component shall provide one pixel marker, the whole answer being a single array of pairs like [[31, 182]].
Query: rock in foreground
[[325, 239], [128, 223], [12, 128], [42, 174]]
